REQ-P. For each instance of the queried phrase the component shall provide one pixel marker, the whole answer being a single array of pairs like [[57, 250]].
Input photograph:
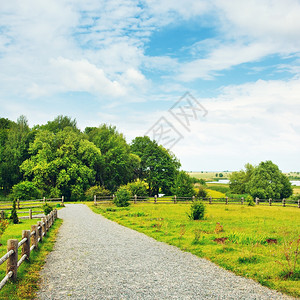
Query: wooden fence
[[29, 242], [22, 205], [209, 200]]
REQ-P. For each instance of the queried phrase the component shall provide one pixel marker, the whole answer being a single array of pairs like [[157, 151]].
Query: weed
[[291, 254], [219, 228]]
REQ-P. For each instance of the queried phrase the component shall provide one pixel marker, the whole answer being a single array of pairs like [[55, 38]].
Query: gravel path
[[95, 258]]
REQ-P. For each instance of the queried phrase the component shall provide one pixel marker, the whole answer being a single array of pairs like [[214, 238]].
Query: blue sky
[[128, 62]]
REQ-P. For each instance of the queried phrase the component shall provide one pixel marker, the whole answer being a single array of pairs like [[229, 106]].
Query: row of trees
[[58, 159]]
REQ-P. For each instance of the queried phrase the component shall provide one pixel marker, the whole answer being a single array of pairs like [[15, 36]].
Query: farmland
[[256, 242]]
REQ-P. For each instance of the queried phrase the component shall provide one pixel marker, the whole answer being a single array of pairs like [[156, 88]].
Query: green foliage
[[3, 226], [138, 188], [25, 190], [158, 166], [123, 197], [238, 180], [263, 181], [62, 163], [197, 211], [201, 192], [250, 201], [267, 181], [119, 164], [98, 191], [183, 185], [47, 208], [14, 215], [219, 188]]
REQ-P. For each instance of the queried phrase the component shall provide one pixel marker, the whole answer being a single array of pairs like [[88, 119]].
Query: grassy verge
[[256, 242], [28, 273]]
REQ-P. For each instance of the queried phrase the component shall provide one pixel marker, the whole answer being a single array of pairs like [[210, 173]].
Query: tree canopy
[[263, 181], [158, 166]]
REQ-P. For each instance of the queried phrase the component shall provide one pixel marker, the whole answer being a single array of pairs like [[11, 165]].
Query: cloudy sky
[[130, 63]]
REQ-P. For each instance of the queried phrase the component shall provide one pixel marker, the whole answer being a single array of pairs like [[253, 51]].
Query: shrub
[[123, 196], [47, 208], [96, 190], [138, 188], [250, 201], [201, 192], [3, 226], [197, 211], [14, 215], [25, 190]]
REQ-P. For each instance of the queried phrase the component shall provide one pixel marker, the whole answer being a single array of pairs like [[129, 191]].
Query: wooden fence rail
[[6, 205], [174, 199], [29, 242]]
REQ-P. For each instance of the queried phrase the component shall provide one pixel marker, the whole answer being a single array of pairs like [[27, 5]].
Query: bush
[[14, 215], [201, 192], [96, 190], [138, 188], [197, 211], [25, 190], [47, 208], [122, 197], [250, 201]]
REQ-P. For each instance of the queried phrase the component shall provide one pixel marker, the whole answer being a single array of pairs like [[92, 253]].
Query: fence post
[[62, 200], [135, 197], [283, 202], [44, 226], [40, 230], [26, 245], [210, 200], [242, 200], [175, 199], [256, 200], [270, 201], [18, 203], [226, 200], [299, 203], [155, 198], [12, 262], [193, 198], [55, 214], [95, 200], [2, 214], [34, 237], [44, 199], [30, 213]]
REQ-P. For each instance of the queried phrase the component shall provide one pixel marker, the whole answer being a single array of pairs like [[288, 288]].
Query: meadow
[[257, 242]]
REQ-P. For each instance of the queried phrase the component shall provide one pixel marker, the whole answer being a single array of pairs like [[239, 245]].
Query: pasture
[[257, 242]]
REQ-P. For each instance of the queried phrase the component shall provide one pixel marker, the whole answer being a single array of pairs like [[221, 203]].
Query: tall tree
[[158, 166], [15, 139], [62, 164], [119, 163], [267, 181]]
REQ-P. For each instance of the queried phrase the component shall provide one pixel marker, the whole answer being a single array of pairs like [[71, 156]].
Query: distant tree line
[[57, 159]]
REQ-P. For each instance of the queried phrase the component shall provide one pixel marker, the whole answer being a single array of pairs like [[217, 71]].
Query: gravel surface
[[95, 258]]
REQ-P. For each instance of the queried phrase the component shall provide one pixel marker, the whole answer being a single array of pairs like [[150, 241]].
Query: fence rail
[[174, 199], [33, 236], [6, 205]]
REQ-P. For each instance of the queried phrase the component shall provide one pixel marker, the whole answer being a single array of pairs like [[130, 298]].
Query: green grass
[[243, 230], [28, 273]]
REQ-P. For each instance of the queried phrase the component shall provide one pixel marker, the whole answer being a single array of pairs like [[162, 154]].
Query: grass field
[[238, 238], [28, 273]]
